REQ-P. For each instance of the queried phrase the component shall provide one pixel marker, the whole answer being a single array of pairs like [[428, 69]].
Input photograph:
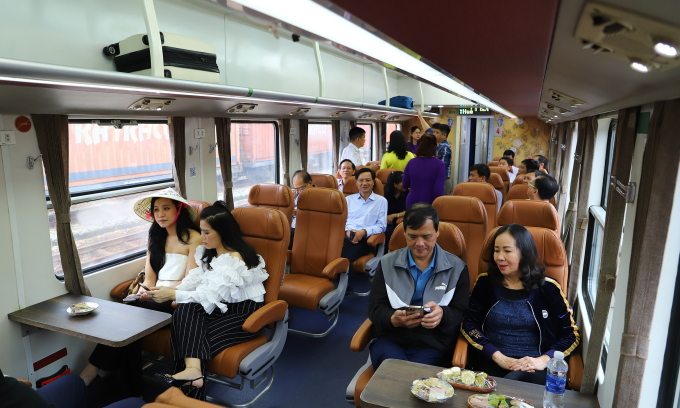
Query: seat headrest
[[501, 172], [326, 200], [351, 186], [324, 180], [519, 179], [270, 194], [450, 239], [383, 174], [550, 248], [460, 209], [495, 180], [484, 191], [198, 206], [261, 222], [492, 163], [529, 213]]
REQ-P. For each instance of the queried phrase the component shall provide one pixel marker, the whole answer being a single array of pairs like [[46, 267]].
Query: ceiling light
[[382, 117], [242, 108], [336, 114], [665, 48], [299, 111], [325, 23], [365, 116], [440, 106], [638, 65], [149, 104], [394, 117]]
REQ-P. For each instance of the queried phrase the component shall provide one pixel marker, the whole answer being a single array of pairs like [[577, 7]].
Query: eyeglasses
[[300, 189], [531, 185]]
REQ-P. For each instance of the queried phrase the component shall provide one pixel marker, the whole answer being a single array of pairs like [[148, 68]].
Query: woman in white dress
[[173, 238], [214, 300]]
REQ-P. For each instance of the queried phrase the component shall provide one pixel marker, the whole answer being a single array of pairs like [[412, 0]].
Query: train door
[[474, 144]]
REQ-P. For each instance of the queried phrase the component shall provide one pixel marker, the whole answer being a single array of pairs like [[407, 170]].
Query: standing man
[[422, 274], [357, 140], [441, 133], [366, 216]]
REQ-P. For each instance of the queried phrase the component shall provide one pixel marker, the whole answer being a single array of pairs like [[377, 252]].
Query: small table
[[390, 387], [113, 324]]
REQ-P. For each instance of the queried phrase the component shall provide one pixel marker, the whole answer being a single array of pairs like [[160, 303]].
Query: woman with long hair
[[518, 318], [396, 194], [173, 238], [215, 298], [397, 155], [345, 171], [416, 133], [425, 174]]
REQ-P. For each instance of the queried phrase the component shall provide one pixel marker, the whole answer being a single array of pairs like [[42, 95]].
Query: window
[[254, 158], [611, 138], [367, 150], [320, 150], [391, 127], [109, 169]]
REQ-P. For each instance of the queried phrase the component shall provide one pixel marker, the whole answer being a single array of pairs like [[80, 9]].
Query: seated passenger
[[542, 163], [301, 181], [416, 133], [173, 238], [366, 216], [345, 171], [422, 274], [543, 188], [518, 317], [506, 163], [425, 175], [397, 155], [395, 194], [480, 173], [511, 154], [528, 166], [215, 298]]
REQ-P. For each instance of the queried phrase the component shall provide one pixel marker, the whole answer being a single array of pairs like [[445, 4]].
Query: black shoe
[[184, 385]]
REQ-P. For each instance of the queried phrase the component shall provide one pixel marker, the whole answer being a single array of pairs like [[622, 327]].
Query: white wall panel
[[344, 79]]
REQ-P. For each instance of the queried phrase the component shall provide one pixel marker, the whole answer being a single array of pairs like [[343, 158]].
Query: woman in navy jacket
[[518, 317]]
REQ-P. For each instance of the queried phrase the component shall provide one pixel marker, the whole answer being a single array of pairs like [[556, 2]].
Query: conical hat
[[143, 207]]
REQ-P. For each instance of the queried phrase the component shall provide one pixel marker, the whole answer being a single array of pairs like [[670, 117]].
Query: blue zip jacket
[[551, 310]]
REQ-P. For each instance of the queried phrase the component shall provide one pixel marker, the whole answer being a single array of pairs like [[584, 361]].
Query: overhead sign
[[471, 110]]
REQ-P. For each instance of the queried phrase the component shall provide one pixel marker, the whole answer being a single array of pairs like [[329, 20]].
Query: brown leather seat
[[451, 240], [519, 192], [373, 167], [497, 183], [492, 163], [383, 174], [351, 187], [318, 278], [504, 177], [273, 196], [268, 231], [485, 193], [519, 180], [324, 180], [529, 213], [469, 215]]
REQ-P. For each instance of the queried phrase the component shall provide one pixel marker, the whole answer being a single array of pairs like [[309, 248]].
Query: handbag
[[127, 288]]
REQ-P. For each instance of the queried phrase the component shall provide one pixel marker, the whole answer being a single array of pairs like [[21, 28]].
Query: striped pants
[[197, 334]]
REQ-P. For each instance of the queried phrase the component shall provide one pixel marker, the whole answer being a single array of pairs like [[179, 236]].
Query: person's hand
[[503, 361], [400, 319], [432, 319], [358, 236], [162, 294], [530, 364]]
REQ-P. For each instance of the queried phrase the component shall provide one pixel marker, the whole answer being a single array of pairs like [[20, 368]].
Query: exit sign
[[471, 110]]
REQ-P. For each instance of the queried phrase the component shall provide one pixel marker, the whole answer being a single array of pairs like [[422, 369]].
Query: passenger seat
[[324, 180], [486, 193]]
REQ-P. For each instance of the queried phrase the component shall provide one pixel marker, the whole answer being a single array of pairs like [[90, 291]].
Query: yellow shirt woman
[[391, 161]]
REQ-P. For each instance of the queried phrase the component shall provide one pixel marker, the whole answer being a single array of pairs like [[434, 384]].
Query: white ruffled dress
[[228, 281]]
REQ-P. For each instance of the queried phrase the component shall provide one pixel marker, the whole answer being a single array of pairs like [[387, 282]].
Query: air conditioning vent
[[558, 96]]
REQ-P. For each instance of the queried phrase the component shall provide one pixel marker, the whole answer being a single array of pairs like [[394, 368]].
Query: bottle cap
[[558, 355]]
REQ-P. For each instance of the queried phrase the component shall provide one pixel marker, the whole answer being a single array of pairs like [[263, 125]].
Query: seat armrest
[[25, 382], [339, 265], [271, 312], [362, 337], [376, 239], [575, 372], [117, 291], [460, 353]]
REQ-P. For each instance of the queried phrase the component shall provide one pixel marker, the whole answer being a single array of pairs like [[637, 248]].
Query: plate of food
[[468, 379], [82, 308], [432, 389], [496, 401]]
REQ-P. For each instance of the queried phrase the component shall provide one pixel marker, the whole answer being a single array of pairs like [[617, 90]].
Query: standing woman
[[518, 318], [416, 133], [214, 300], [345, 171], [173, 238], [396, 194], [397, 155], [425, 174]]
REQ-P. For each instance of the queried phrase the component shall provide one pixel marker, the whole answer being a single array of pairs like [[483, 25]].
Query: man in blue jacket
[[423, 274]]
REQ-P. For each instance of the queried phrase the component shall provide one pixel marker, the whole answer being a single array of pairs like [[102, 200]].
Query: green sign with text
[[471, 110]]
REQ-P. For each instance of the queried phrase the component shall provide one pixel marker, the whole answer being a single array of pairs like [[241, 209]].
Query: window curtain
[[580, 224], [284, 144], [655, 197], [381, 144], [223, 127], [560, 172], [304, 142], [352, 124], [552, 149], [179, 153], [335, 125], [613, 230], [53, 141]]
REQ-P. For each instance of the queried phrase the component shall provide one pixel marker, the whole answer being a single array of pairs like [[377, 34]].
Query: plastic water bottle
[[556, 382]]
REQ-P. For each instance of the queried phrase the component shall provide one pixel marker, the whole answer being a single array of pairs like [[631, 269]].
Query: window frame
[[609, 161]]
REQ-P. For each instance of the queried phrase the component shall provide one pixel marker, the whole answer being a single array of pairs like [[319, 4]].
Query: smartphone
[[351, 235], [132, 297], [415, 309]]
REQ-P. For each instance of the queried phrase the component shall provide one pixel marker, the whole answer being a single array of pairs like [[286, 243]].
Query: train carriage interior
[[271, 87]]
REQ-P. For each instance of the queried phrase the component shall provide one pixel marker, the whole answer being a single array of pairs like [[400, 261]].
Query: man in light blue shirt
[[366, 216]]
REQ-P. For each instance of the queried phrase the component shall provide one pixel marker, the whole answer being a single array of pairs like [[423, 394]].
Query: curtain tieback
[[229, 184], [607, 283], [634, 346], [63, 218], [572, 205], [582, 223]]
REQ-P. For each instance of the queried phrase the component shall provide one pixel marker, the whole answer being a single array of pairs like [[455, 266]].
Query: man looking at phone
[[422, 274]]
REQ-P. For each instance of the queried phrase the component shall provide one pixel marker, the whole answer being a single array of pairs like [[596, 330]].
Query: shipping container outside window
[[367, 150], [320, 149]]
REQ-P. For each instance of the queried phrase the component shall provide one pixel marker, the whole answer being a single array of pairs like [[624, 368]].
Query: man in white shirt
[[480, 173], [366, 216], [357, 140], [511, 154]]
